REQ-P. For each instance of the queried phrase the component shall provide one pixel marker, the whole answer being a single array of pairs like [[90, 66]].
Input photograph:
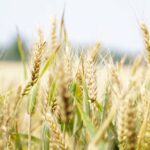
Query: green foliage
[[45, 137], [32, 99], [22, 55]]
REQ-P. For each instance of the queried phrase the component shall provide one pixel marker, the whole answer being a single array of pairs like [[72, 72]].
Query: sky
[[112, 22]]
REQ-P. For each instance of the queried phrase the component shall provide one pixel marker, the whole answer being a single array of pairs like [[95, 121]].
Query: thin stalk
[[29, 133]]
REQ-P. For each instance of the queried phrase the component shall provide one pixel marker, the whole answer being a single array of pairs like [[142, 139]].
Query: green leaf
[[78, 92], [99, 106], [105, 104], [45, 137], [86, 105], [49, 61], [86, 121], [77, 123], [52, 92], [73, 88], [32, 99], [22, 55], [18, 144]]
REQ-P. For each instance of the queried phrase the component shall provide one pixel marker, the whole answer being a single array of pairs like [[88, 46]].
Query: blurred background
[[112, 22]]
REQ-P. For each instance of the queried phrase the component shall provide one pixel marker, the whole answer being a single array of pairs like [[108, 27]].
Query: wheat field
[[66, 100]]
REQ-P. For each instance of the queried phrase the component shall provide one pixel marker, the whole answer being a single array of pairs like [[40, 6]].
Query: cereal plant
[[76, 100]]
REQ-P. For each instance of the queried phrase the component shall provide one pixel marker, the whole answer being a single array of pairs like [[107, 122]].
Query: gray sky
[[113, 22]]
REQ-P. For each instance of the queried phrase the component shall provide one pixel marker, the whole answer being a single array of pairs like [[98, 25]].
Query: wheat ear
[[37, 58], [146, 40]]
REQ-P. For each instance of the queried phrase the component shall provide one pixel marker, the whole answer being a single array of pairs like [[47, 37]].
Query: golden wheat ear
[[90, 72], [80, 69], [126, 125], [62, 26], [38, 50], [121, 125], [53, 37], [136, 64], [146, 36], [143, 142], [58, 137], [64, 97], [91, 81]]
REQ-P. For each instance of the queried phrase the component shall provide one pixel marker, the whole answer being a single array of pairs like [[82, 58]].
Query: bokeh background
[[112, 22]]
